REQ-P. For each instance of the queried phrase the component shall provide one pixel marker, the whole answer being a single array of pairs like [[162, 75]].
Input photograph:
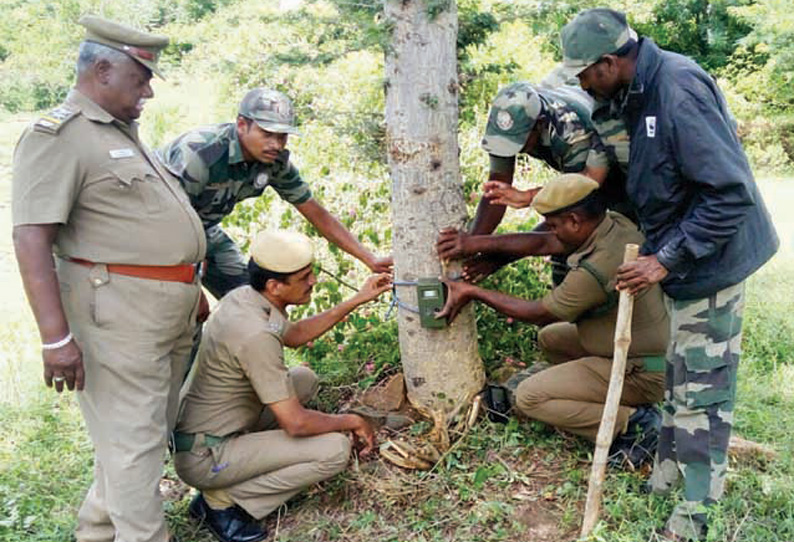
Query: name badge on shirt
[[650, 126], [121, 153]]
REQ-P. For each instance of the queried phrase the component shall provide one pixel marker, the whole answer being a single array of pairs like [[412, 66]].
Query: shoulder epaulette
[[52, 122]]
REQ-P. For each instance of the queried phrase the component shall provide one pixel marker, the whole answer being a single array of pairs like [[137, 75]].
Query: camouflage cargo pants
[[700, 390], [227, 268]]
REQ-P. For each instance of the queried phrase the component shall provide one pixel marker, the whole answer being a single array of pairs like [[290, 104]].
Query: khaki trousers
[[571, 394], [135, 335], [261, 470]]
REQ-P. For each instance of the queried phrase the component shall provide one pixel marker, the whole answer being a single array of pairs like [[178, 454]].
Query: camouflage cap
[[513, 114], [563, 192], [592, 34], [140, 46], [270, 109], [282, 251]]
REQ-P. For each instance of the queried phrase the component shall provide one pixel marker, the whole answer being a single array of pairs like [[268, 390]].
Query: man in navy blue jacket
[[706, 229]]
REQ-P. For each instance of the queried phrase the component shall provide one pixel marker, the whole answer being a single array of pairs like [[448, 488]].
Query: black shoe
[[637, 445], [231, 524]]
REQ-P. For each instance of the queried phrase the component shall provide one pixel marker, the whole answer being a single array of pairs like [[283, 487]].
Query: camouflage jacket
[[210, 165], [611, 128], [569, 144]]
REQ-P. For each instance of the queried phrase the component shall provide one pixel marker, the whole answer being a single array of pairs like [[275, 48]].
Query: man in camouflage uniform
[[579, 318], [550, 124], [707, 230], [223, 164]]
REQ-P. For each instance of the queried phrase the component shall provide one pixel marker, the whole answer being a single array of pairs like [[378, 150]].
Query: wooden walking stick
[[609, 417]]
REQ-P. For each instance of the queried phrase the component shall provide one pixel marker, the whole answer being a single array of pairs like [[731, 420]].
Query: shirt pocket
[[142, 179]]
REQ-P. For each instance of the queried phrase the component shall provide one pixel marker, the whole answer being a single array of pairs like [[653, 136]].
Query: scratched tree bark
[[442, 368]]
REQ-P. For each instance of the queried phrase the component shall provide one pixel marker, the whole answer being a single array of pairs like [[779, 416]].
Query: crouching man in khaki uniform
[[580, 317], [243, 436]]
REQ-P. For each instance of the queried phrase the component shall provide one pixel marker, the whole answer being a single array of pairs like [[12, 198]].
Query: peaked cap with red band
[[140, 46]]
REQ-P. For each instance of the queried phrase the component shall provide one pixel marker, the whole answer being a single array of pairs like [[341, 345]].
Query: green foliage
[[707, 31], [770, 45], [505, 343], [38, 42]]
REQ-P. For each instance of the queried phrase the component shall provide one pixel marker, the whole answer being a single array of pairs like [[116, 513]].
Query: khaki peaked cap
[[140, 46], [563, 192], [282, 251]]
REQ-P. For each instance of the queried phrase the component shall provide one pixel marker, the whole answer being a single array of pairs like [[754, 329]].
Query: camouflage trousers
[[227, 268], [700, 391]]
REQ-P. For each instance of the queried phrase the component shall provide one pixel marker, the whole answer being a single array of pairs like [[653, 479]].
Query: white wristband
[[59, 344]]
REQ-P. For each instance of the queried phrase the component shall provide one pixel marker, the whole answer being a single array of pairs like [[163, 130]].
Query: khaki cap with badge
[[140, 46], [592, 34], [563, 193], [271, 110], [513, 115], [282, 251]]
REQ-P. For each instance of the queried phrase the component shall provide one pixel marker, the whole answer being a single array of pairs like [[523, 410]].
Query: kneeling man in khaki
[[243, 436], [579, 317]]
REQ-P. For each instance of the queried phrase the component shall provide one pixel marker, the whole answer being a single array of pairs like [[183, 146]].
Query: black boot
[[638, 444], [231, 524]]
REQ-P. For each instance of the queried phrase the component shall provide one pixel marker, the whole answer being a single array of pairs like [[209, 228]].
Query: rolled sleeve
[[577, 294], [261, 356], [289, 185]]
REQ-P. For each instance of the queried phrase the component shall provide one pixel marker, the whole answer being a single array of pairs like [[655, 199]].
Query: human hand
[[374, 286], [64, 366], [642, 273], [453, 243], [457, 297], [480, 267], [379, 264], [203, 311], [502, 193], [363, 436]]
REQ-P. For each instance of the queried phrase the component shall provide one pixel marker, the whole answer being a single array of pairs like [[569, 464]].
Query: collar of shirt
[[256, 299], [235, 148], [94, 112], [648, 62], [589, 245]]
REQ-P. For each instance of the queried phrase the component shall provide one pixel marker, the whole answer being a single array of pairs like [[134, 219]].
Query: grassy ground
[[516, 482]]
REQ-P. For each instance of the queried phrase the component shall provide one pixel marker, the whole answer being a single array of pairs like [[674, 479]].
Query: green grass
[[514, 482], [521, 482]]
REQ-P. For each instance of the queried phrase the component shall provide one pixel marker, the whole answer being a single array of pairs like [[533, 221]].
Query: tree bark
[[443, 370]]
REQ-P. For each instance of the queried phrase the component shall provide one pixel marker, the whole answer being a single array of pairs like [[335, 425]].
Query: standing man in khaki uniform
[[244, 437], [117, 306], [580, 317]]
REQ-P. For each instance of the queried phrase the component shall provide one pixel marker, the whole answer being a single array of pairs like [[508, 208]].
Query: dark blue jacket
[[689, 179]]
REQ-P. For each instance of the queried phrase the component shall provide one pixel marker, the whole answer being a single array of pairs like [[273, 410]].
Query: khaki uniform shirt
[[587, 295], [88, 172], [240, 367]]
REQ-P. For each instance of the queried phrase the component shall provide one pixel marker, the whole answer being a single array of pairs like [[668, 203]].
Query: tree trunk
[[443, 370]]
